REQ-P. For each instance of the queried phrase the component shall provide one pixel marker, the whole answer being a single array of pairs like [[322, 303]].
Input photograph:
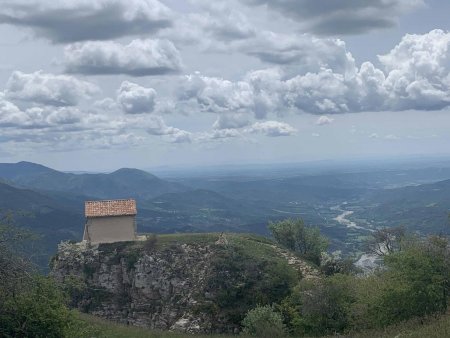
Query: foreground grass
[[417, 328], [94, 327]]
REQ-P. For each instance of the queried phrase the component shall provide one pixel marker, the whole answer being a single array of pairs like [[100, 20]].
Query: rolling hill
[[123, 183], [424, 208], [50, 218]]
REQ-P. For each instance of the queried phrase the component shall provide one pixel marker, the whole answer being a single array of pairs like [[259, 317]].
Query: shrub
[[294, 235], [333, 264], [417, 283], [318, 307], [150, 243], [263, 321], [37, 311], [241, 279]]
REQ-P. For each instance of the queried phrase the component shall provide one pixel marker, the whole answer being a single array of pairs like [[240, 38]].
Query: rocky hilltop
[[201, 283]]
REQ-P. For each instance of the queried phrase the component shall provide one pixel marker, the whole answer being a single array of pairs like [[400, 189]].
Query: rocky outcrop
[[167, 288]]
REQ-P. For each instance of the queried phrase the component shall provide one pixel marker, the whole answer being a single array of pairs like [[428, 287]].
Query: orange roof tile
[[110, 208]]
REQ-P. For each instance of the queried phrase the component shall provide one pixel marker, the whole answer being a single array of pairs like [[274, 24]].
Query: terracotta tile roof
[[110, 208]]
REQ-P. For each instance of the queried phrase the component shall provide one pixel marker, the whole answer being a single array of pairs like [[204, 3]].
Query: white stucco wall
[[110, 229]]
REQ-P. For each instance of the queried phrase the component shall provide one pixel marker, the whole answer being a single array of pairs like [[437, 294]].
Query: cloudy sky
[[102, 84]]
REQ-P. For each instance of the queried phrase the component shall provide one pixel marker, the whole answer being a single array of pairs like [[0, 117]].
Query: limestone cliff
[[189, 283]]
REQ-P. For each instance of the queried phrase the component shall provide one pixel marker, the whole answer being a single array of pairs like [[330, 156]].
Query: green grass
[[94, 327], [418, 328], [167, 240]]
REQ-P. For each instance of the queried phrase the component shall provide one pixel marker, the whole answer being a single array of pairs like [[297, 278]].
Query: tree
[[263, 321], [294, 235], [30, 305], [15, 269], [416, 282], [386, 241], [320, 306]]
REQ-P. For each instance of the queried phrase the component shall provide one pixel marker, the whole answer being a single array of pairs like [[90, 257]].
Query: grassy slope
[[432, 328], [254, 245], [100, 328], [425, 328]]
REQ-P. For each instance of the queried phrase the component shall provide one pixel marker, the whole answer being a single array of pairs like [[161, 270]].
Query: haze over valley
[[346, 203]]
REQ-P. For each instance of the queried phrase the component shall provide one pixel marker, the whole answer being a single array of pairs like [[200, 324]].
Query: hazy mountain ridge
[[122, 183], [424, 208], [54, 201]]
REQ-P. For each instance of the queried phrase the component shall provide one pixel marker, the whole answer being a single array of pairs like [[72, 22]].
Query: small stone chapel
[[110, 221]]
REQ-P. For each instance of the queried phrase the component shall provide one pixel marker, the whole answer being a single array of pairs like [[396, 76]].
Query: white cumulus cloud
[[135, 99], [272, 128], [324, 120], [48, 89], [138, 58], [157, 126]]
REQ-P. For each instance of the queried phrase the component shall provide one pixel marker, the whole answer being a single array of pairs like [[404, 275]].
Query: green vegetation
[[294, 235], [252, 285], [414, 283], [263, 321], [430, 327], [319, 306], [247, 273], [37, 311], [99, 328], [30, 305]]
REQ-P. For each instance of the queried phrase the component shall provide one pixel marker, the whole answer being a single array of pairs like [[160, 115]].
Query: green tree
[[241, 279], [294, 235], [320, 306], [263, 321], [418, 279], [30, 305], [38, 311]]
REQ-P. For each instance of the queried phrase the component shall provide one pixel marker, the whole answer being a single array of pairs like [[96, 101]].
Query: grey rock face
[[164, 289]]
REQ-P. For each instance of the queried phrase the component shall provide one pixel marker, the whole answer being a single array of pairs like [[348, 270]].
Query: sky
[[104, 84]]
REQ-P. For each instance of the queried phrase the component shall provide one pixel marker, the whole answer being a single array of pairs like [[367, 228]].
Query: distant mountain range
[[123, 183], [51, 202], [424, 208]]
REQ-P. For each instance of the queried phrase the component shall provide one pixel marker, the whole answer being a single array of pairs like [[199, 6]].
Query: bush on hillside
[[30, 305], [320, 306], [416, 282], [241, 279], [294, 235], [150, 243], [263, 321]]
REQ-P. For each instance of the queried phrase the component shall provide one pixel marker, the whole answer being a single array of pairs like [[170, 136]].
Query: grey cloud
[[138, 58], [215, 27], [48, 89], [81, 20], [305, 51], [135, 99], [157, 126], [231, 121], [12, 116], [219, 28], [341, 17], [324, 120], [221, 134], [272, 128]]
